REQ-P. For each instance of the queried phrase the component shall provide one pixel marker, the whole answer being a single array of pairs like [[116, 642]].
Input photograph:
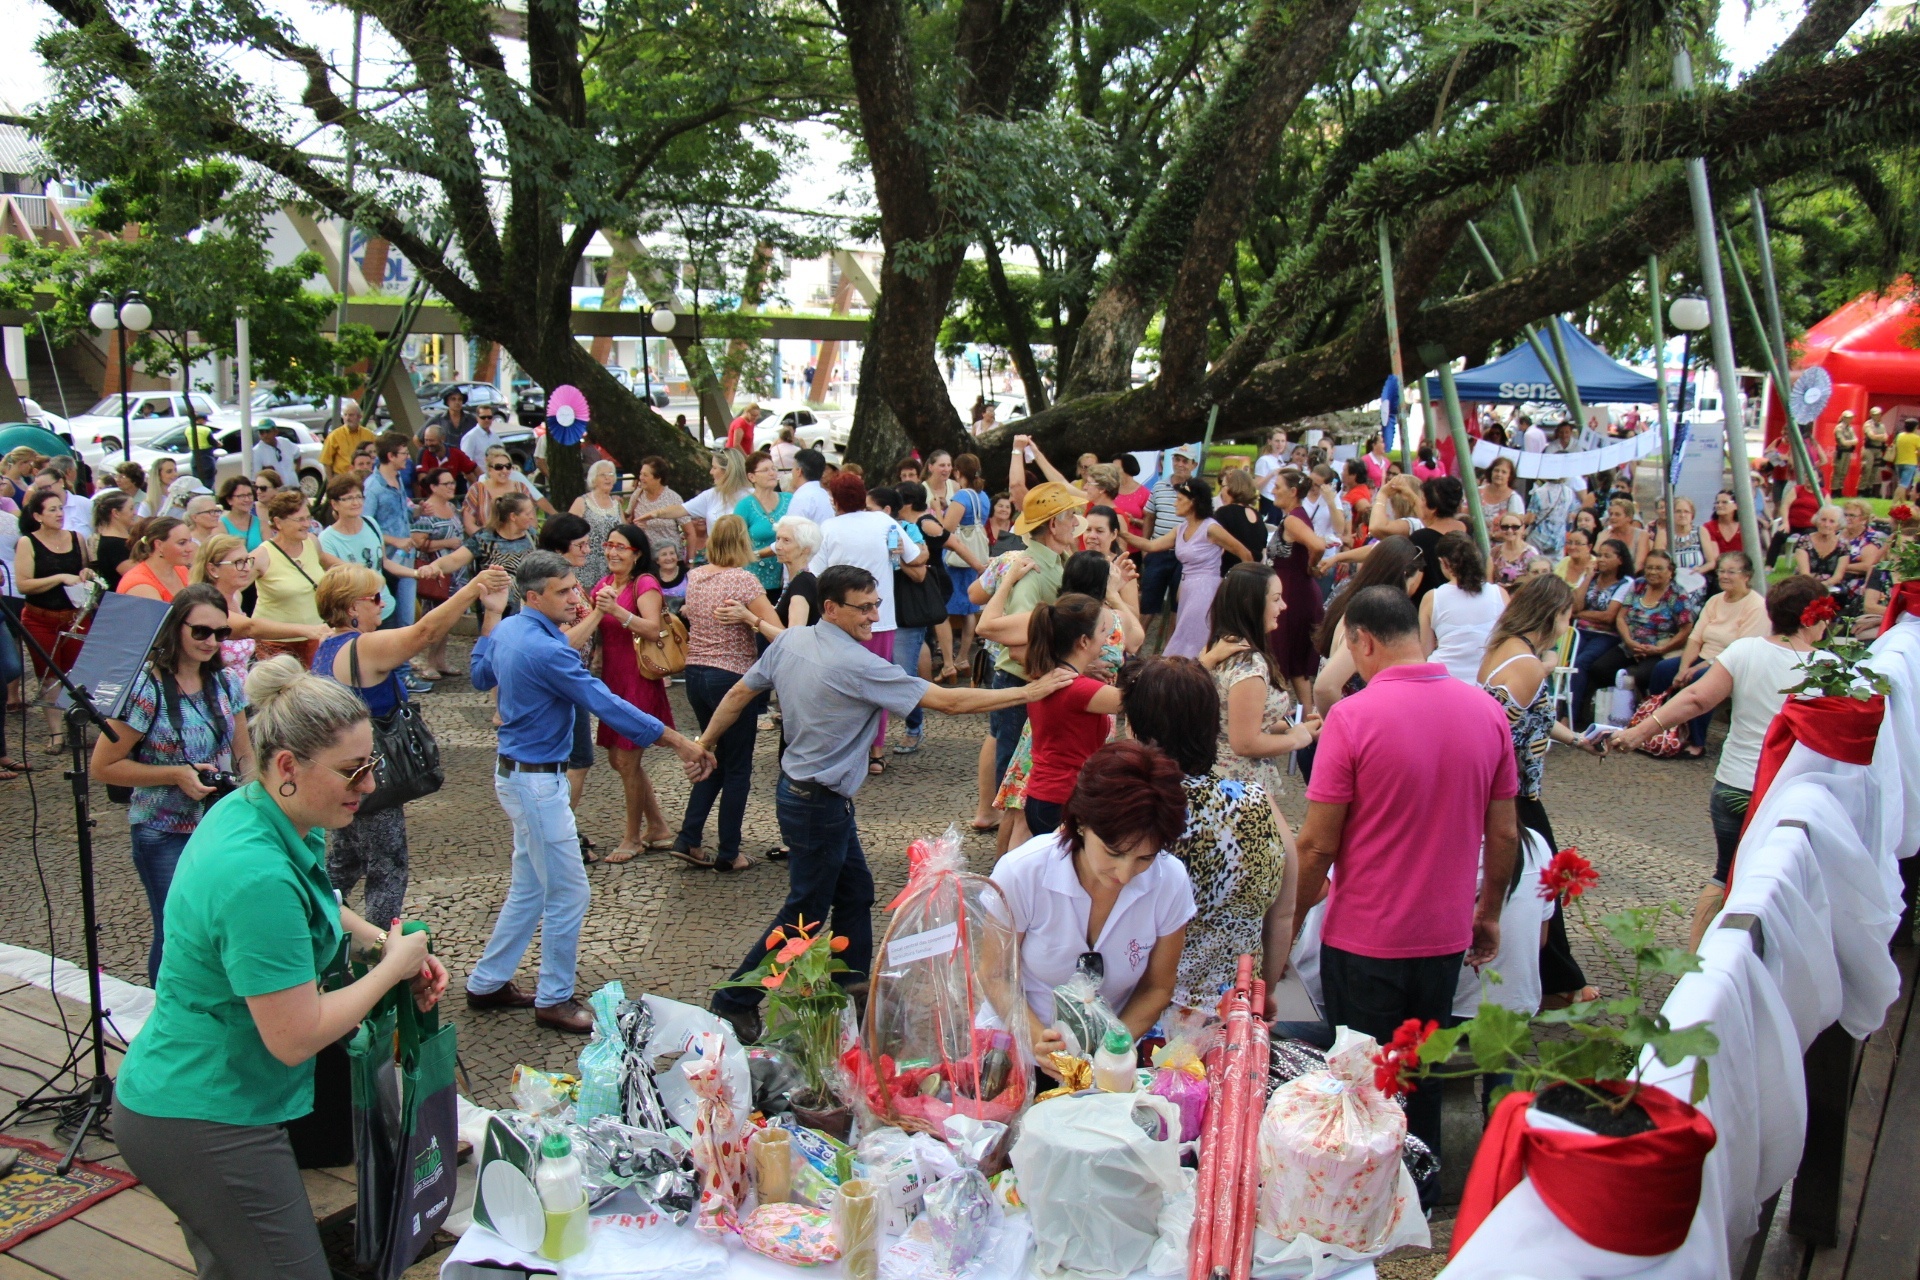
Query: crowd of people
[[1156, 659]]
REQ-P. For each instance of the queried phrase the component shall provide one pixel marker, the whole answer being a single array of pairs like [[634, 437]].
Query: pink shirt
[[1408, 866], [727, 646]]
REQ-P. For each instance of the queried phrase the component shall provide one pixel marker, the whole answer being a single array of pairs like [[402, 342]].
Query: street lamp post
[[1689, 315], [128, 312], [662, 321]]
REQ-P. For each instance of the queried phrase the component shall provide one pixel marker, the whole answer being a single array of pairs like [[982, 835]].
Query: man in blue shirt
[[542, 679]]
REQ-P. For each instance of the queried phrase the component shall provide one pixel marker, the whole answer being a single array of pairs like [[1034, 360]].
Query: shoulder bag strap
[[295, 563], [353, 673]]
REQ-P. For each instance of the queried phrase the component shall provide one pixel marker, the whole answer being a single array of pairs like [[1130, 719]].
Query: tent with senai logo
[[1517, 377]]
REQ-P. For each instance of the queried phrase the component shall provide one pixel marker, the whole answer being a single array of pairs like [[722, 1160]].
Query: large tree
[[490, 175], [1255, 250]]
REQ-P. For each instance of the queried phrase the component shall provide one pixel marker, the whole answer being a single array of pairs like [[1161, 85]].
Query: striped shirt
[[1160, 509]]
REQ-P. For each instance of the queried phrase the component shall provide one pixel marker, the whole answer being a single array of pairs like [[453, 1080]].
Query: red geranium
[[1821, 610], [1900, 512], [1400, 1056], [1568, 876]]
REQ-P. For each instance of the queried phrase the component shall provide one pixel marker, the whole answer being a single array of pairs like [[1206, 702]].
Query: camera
[[222, 782]]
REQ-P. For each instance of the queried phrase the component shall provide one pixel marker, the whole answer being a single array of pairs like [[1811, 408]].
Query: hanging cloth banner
[[1565, 466]]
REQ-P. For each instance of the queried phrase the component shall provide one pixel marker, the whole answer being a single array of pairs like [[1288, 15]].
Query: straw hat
[[1044, 502]]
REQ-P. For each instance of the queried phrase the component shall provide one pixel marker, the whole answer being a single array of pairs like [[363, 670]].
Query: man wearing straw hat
[[1047, 522]]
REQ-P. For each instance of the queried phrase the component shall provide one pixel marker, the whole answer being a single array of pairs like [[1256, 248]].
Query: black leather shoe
[[505, 996]]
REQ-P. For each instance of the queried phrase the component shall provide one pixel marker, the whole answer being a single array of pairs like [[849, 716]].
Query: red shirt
[[1132, 507], [1064, 735], [1711, 532], [1416, 757], [1803, 508], [453, 460], [740, 434]]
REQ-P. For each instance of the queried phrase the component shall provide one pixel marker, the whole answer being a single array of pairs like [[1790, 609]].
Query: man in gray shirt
[[832, 692]]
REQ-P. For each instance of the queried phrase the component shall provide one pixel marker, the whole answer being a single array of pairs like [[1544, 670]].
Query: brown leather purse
[[666, 656]]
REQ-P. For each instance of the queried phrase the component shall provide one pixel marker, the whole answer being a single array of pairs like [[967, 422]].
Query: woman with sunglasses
[[498, 479], [226, 1058], [186, 718], [1512, 553], [368, 660]]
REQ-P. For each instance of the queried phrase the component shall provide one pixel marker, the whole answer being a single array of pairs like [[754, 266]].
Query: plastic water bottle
[[1624, 700], [1113, 1062], [563, 1195]]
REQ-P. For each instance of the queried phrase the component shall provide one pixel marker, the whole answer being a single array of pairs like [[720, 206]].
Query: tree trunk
[[1014, 316], [877, 440]]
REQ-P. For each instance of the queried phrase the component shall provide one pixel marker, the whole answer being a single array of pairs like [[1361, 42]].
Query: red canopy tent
[[1871, 349]]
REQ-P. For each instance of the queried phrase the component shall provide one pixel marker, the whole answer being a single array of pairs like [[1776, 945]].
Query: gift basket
[[946, 1031]]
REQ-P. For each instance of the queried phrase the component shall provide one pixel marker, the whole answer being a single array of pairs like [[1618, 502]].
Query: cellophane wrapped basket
[[946, 1032]]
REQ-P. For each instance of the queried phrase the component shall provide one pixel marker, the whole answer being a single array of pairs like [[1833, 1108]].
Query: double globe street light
[[1690, 315], [662, 321], [130, 312]]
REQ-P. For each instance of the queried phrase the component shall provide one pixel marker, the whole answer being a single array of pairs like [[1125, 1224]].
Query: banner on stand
[[1565, 466]]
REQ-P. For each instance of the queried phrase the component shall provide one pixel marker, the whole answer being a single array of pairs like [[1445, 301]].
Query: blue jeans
[[1664, 672], [1588, 648], [733, 774], [155, 854], [827, 880], [1005, 725], [406, 592], [581, 756], [907, 644], [1159, 582], [548, 891]]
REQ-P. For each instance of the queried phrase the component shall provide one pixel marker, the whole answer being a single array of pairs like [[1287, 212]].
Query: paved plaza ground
[[660, 925]]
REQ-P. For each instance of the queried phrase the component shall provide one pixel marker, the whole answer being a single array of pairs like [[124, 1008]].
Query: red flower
[[795, 948], [1400, 1056], [1568, 876], [1900, 512], [838, 944], [1821, 610]]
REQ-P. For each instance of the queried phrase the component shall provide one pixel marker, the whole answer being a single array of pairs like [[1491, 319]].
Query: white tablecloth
[[1780, 882]]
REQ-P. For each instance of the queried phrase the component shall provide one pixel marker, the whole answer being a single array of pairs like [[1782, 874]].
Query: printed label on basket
[[924, 946]]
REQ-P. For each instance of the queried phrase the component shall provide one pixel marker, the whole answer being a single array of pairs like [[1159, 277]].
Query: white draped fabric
[[1896, 756], [1781, 884]]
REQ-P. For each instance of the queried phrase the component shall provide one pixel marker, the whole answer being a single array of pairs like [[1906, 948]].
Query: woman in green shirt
[[252, 926]]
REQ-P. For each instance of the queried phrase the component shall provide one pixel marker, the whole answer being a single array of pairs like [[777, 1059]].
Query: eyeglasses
[[483, 417], [871, 609], [354, 775], [499, 466], [442, 480], [372, 599], [244, 562], [1511, 528], [204, 634]]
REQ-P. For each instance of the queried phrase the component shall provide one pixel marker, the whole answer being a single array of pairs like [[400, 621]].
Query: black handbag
[[922, 603], [409, 765]]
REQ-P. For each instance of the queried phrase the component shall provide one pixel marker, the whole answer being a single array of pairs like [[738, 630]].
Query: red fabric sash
[[1632, 1195], [1905, 598], [1842, 729]]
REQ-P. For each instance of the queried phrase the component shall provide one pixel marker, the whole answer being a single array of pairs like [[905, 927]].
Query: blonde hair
[[1238, 481], [1692, 511], [157, 488], [1627, 505], [1106, 475], [727, 543], [1855, 507], [339, 587], [291, 709], [733, 484], [212, 552]]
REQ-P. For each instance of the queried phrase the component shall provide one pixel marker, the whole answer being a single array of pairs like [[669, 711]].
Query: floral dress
[[601, 521], [1856, 587], [1231, 846], [1654, 624], [1013, 787], [1270, 771]]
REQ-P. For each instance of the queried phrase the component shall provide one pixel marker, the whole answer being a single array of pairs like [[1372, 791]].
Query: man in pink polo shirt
[[1409, 776]]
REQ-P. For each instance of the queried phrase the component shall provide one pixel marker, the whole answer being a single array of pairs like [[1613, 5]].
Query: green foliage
[[1592, 1040]]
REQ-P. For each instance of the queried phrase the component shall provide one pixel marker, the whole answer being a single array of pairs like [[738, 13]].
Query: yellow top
[[286, 593], [1906, 449], [336, 455]]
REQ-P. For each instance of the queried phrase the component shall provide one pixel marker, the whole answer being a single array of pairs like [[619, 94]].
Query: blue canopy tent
[[1517, 376]]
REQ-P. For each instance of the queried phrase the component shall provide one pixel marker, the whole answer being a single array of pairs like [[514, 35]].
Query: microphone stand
[[86, 1109]]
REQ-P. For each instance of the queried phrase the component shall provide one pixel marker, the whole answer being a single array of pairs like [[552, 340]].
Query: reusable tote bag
[[428, 1137], [376, 1123]]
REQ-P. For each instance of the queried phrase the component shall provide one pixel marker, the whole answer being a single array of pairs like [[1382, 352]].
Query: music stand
[[120, 617]]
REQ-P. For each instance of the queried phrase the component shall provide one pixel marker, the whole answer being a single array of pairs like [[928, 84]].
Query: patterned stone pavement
[[660, 925]]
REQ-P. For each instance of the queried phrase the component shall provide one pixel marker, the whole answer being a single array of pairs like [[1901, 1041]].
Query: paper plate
[[513, 1205]]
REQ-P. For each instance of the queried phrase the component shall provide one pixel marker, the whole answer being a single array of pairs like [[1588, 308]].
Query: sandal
[[875, 766], [949, 674], [779, 853], [621, 856], [1690, 751], [18, 766], [731, 868], [8, 775], [657, 846], [690, 856]]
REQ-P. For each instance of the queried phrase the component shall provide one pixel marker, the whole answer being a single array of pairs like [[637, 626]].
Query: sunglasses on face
[[204, 634], [372, 599], [354, 775], [1511, 528], [500, 466]]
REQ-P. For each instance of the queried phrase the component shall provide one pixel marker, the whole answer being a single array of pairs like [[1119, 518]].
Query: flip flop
[[691, 859], [658, 846], [8, 775], [728, 868], [620, 857], [8, 762]]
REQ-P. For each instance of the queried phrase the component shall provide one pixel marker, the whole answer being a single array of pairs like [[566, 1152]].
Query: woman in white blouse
[[1099, 893]]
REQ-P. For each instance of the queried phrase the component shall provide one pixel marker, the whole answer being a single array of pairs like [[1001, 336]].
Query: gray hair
[[804, 532], [598, 467], [291, 709], [537, 568]]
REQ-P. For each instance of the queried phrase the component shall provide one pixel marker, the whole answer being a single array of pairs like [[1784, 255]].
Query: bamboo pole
[[1569, 394], [1570, 387], [1392, 306], [1436, 356], [1724, 364], [1660, 390], [1206, 442], [1776, 336], [1776, 373], [346, 220]]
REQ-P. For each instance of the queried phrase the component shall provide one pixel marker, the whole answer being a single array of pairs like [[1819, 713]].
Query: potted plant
[[1587, 1070], [806, 1016]]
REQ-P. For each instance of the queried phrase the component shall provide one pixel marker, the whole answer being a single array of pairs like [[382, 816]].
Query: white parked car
[[227, 461], [41, 418], [812, 428], [152, 414]]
